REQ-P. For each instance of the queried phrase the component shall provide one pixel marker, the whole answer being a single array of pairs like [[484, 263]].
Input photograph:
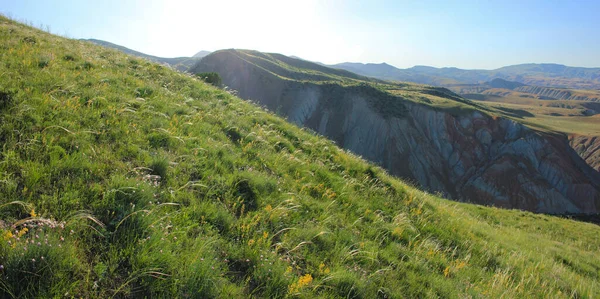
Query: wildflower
[[32, 213], [303, 281], [33, 260], [8, 235], [1, 267], [447, 271]]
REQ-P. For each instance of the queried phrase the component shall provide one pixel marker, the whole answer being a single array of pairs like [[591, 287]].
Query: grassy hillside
[[121, 178], [180, 63]]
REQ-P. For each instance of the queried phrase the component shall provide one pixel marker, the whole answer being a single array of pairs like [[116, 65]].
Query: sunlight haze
[[465, 34]]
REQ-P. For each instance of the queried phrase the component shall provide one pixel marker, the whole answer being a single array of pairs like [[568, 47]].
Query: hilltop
[[120, 177]]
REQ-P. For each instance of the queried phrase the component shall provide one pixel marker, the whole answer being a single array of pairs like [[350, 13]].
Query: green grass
[[123, 178]]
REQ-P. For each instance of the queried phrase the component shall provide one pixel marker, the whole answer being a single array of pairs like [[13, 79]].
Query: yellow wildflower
[[32, 213], [447, 271], [22, 232], [305, 280], [7, 235], [302, 282]]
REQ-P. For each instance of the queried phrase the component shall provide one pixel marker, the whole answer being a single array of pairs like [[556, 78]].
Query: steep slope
[[180, 63], [588, 147], [545, 75], [121, 178], [428, 136]]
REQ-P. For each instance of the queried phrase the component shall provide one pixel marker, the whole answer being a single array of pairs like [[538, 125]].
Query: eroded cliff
[[468, 156]]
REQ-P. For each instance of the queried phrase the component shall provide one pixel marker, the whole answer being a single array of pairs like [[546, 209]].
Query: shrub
[[69, 57], [211, 78], [159, 167], [6, 99], [143, 92]]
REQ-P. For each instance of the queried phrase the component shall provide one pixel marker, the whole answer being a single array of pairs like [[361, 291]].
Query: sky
[[445, 33]]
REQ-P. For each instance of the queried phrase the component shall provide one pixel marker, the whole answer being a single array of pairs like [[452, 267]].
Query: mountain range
[[546, 75]]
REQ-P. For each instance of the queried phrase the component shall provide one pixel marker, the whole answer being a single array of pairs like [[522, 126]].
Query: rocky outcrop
[[588, 148], [470, 157]]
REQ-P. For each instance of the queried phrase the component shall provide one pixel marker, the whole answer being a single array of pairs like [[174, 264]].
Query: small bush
[[30, 40], [87, 66], [211, 78], [69, 57], [159, 167], [6, 99], [44, 62], [233, 134], [143, 92]]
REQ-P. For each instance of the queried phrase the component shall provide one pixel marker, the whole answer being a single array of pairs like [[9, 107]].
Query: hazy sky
[[465, 34]]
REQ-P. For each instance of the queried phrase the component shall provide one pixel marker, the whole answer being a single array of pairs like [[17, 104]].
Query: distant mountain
[[545, 75], [501, 83], [180, 63]]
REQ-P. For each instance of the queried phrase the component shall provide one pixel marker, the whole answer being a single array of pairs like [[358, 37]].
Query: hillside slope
[[180, 63], [122, 178], [427, 135]]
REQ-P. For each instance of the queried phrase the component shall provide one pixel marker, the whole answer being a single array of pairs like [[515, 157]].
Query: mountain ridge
[[545, 74]]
